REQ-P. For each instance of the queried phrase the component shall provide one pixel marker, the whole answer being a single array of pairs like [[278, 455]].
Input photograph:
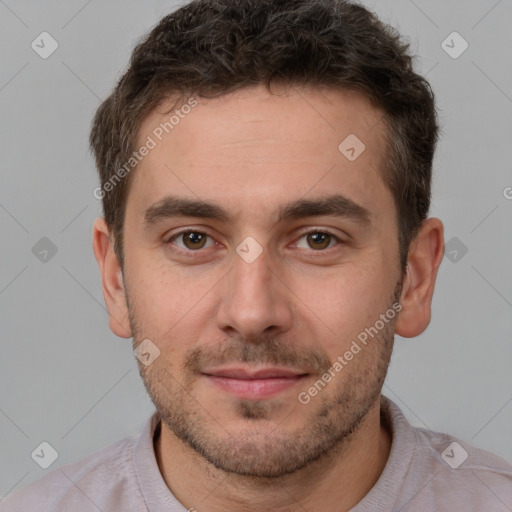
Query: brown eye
[[317, 240], [194, 240], [190, 240]]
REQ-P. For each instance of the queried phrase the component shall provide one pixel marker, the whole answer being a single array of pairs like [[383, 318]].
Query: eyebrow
[[335, 205]]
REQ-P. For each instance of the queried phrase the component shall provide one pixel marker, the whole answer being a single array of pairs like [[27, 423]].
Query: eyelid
[[169, 240], [326, 231], [190, 229], [310, 229]]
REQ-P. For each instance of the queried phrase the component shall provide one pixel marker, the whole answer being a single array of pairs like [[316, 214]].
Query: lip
[[254, 384], [242, 373]]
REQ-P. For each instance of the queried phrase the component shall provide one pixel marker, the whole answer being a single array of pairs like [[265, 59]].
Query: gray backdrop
[[68, 381]]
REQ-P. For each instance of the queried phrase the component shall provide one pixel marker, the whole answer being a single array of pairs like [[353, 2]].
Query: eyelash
[[190, 252]]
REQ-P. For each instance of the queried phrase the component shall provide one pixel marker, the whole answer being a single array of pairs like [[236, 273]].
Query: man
[[265, 175]]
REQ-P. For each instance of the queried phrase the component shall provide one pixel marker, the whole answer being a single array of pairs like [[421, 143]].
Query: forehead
[[253, 149]]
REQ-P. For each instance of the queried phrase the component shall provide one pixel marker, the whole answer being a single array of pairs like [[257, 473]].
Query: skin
[[298, 305]]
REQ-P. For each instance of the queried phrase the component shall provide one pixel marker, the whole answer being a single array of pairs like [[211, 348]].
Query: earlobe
[[111, 279], [425, 256]]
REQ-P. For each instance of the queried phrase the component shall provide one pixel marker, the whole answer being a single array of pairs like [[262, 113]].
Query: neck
[[336, 482]]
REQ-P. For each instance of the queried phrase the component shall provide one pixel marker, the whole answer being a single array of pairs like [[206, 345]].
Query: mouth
[[251, 384]]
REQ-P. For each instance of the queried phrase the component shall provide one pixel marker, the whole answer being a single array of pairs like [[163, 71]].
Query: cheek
[[170, 306], [346, 303], [156, 301]]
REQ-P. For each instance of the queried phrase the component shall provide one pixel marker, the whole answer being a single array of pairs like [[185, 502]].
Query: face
[[253, 295]]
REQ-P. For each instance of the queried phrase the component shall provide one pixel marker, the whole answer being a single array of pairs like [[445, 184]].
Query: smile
[[254, 385]]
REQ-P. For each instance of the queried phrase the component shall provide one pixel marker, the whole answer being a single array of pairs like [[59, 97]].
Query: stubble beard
[[327, 423]]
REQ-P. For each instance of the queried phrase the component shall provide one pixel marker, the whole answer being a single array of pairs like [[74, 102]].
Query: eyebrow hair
[[336, 205], [171, 206]]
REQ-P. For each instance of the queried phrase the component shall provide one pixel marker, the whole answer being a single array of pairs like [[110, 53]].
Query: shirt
[[425, 471]]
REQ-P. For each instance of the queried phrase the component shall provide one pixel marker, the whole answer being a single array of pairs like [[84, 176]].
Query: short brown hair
[[209, 48]]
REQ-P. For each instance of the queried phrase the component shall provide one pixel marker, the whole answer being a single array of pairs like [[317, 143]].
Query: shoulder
[[430, 470], [456, 472], [460, 456], [80, 485]]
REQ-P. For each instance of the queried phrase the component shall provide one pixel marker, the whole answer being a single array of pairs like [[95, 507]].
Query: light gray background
[[66, 379]]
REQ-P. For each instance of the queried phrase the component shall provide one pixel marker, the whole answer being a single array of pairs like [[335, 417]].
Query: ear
[[111, 279], [425, 255]]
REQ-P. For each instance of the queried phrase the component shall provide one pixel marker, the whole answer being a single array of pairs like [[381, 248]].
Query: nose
[[254, 300]]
